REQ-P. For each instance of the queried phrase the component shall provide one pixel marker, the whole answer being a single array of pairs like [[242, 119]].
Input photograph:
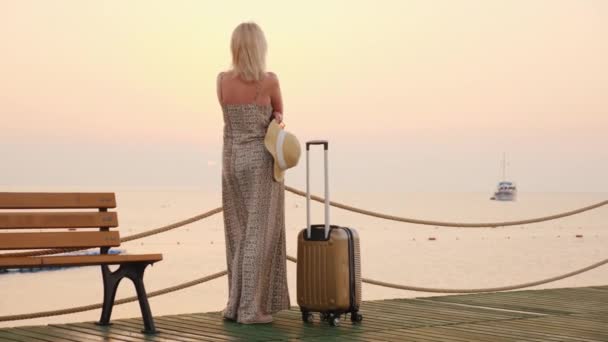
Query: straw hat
[[284, 147]]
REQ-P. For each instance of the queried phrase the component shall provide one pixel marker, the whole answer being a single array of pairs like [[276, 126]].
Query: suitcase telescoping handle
[[325, 144]]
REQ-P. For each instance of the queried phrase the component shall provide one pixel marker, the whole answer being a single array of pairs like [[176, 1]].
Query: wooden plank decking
[[572, 314]]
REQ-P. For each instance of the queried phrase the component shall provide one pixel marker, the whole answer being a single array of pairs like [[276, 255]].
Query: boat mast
[[504, 166]]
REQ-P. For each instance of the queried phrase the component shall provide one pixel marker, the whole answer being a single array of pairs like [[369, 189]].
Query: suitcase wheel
[[356, 317], [334, 320], [307, 317]]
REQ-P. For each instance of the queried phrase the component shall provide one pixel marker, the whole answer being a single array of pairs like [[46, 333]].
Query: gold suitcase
[[329, 263]]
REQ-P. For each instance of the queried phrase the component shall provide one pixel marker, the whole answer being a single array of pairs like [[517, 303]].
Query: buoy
[[432, 238], [579, 235]]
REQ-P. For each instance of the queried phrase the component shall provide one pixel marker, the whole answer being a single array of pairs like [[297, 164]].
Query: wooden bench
[[62, 229]]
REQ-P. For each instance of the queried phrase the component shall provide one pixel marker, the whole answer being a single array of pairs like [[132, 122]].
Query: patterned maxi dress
[[254, 217]]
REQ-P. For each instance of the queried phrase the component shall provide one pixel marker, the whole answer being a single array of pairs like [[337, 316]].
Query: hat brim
[[278, 174], [271, 142]]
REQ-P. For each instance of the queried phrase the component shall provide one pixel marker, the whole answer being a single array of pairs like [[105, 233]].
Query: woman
[[254, 218]]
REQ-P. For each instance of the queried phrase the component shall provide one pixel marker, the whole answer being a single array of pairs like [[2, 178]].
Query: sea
[[395, 252]]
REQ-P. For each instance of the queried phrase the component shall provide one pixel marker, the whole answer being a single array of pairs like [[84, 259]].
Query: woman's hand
[[279, 117]]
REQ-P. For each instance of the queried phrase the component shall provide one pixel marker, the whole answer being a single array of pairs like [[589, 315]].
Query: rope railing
[[449, 224], [479, 290], [90, 307], [291, 258], [332, 203]]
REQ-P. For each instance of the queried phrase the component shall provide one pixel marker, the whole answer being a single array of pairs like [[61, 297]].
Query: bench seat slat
[[76, 260], [56, 200], [13, 220], [59, 240]]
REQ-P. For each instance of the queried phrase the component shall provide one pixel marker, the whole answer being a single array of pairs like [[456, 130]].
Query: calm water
[[391, 251]]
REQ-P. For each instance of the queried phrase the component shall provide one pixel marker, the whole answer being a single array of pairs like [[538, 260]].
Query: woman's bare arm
[[276, 100], [219, 87]]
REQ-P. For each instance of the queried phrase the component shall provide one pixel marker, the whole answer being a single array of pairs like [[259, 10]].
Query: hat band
[[280, 157]]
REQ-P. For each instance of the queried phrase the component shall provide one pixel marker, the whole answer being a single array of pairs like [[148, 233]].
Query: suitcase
[[329, 263]]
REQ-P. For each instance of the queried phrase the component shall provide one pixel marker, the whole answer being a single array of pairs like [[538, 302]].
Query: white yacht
[[505, 190]]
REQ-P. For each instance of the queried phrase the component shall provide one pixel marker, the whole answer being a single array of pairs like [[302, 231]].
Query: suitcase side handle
[[325, 144]]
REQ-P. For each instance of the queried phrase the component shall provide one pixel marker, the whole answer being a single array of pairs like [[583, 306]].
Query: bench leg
[[110, 285], [137, 276], [135, 272]]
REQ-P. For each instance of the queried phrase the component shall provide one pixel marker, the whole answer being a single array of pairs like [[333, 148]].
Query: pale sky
[[413, 95]]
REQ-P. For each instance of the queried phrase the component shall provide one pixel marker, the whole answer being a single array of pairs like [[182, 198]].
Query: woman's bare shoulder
[[225, 74], [272, 78]]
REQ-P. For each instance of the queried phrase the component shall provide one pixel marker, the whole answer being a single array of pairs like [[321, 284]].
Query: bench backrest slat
[[57, 200], [58, 240], [13, 220], [20, 261], [28, 220]]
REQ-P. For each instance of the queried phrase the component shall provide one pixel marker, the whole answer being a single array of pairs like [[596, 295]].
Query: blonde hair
[[248, 48]]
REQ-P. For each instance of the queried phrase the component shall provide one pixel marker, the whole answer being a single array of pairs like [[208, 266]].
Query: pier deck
[[569, 314]]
